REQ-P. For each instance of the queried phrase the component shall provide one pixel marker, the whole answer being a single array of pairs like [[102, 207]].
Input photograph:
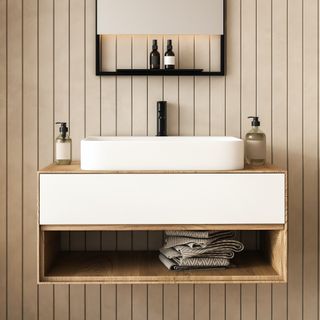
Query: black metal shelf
[[160, 72], [148, 72]]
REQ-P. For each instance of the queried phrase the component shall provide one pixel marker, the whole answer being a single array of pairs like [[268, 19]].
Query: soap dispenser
[[255, 144], [63, 145]]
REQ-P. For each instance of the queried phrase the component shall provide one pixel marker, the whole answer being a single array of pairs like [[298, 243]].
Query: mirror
[[160, 17]]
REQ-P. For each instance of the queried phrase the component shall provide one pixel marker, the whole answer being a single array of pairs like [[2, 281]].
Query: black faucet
[[161, 118]]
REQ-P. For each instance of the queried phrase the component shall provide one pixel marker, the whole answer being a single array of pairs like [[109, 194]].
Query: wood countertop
[[75, 168]]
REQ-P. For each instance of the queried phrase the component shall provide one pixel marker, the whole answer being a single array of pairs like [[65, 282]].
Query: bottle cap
[[255, 121], [169, 44], [63, 129], [154, 44]]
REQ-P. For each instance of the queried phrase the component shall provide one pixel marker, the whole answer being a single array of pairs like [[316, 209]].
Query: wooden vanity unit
[[71, 200]]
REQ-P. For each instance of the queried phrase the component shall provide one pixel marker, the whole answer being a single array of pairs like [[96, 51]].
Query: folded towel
[[170, 252], [224, 248], [198, 234], [172, 241], [194, 263], [202, 262], [183, 252]]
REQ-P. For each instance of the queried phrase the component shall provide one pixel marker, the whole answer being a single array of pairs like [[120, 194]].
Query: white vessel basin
[[162, 153]]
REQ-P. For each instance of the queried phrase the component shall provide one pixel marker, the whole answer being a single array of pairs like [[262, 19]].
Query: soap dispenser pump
[[255, 144], [63, 145]]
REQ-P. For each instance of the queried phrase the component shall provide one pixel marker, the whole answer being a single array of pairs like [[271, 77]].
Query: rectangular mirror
[[160, 17]]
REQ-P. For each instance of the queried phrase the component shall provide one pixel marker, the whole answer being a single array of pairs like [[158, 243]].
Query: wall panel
[[30, 131], [310, 160], [3, 159], [47, 73], [295, 158], [14, 157]]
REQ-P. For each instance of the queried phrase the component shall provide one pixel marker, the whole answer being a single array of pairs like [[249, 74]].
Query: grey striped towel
[[172, 241], [171, 253], [226, 248], [199, 234], [194, 263]]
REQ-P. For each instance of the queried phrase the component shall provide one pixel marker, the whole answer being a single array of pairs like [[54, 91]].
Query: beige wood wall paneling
[[14, 157], [30, 154], [186, 87], [295, 158], [3, 159], [310, 159], [272, 70], [217, 93]]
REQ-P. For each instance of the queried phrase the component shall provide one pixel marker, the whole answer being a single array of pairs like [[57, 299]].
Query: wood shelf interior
[[266, 264]]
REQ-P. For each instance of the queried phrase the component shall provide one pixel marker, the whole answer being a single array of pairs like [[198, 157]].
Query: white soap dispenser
[[63, 145], [255, 144]]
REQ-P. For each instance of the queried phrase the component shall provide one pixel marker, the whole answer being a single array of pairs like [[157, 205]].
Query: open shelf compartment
[[266, 264]]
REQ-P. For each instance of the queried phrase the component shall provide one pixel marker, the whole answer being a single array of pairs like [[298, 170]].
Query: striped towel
[[172, 241], [183, 250], [199, 234], [219, 249], [223, 247], [171, 253], [194, 263]]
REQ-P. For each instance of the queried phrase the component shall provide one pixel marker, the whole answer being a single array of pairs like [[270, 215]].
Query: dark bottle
[[154, 56], [169, 58]]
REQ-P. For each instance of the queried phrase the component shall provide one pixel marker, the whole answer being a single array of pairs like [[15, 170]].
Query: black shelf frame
[[162, 72]]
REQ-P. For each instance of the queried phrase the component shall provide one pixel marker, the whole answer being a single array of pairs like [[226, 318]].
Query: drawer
[[219, 198]]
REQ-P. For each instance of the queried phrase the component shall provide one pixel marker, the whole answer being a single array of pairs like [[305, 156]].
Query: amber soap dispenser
[[255, 144]]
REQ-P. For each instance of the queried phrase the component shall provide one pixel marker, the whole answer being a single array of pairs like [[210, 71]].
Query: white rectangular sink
[[162, 153]]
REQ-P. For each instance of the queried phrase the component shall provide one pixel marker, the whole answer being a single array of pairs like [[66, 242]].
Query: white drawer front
[[162, 198]]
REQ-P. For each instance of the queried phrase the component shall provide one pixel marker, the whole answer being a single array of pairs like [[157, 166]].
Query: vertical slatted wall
[[47, 60]]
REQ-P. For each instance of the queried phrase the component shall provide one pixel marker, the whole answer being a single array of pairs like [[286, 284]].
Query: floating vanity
[[248, 199]]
